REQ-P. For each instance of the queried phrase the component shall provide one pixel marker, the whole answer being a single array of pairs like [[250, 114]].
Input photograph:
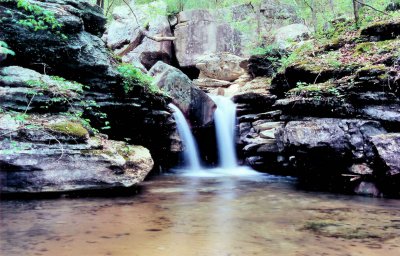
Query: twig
[[373, 8], [145, 33]]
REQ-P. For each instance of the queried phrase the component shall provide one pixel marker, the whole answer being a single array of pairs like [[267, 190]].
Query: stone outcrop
[[329, 118], [198, 32], [80, 57], [83, 89], [193, 102], [55, 154]]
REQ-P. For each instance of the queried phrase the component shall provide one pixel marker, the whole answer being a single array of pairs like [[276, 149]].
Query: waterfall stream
[[191, 152], [225, 122]]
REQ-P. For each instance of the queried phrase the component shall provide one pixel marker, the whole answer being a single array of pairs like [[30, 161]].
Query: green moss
[[69, 128], [363, 48]]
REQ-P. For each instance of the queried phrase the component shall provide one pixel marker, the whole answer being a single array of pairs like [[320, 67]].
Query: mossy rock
[[69, 128], [372, 71], [382, 30]]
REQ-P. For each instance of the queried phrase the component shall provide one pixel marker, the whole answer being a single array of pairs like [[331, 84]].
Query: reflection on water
[[178, 215]]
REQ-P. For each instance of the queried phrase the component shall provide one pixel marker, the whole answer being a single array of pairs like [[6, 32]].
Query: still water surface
[[184, 216]]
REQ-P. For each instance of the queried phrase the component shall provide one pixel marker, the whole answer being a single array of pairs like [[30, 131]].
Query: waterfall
[[191, 153], [225, 123]]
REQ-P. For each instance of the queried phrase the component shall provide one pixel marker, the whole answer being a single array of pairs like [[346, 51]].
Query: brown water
[[184, 216]]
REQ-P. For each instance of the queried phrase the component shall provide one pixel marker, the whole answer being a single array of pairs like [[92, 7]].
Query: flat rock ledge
[[54, 154]]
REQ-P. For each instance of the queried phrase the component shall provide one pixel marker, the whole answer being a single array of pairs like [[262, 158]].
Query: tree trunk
[[357, 4], [100, 3]]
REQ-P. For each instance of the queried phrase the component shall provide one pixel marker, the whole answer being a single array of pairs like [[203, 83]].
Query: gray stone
[[193, 102], [198, 33], [54, 154], [388, 148]]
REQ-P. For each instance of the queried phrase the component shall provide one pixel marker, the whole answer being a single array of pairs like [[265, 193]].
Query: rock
[[388, 149], [220, 66], [393, 6], [198, 33], [193, 102], [339, 135], [28, 91], [82, 57], [148, 52], [380, 31], [265, 126], [268, 134], [60, 157], [209, 82], [362, 169], [265, 65], [367, 189], [123, 35], [291, 33], [259, 85]]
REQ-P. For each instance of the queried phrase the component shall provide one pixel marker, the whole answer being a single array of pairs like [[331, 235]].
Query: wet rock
[[220, 66], [190, 99], [388, 149], [367, 189], [60, 156]]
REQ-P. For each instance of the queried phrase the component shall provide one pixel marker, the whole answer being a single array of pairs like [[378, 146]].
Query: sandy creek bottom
[[184, 216]]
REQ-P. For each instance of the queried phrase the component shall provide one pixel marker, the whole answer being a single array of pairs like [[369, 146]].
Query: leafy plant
[[4, 49], [134, 77], [39, 18]]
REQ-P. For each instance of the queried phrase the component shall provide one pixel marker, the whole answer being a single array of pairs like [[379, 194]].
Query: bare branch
[[370, 6]]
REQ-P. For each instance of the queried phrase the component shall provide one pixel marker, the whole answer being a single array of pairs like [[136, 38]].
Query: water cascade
[[191, 152], [225, 122]]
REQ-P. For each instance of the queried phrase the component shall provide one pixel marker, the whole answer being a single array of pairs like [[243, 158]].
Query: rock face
[[82, 89], [60, 156], [123, 35], [221, 66], [193, 102], [291, 33], [81, 57], [333, 125], [198, 33]]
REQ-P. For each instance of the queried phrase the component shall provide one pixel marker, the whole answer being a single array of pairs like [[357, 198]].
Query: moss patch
[[69, 128]]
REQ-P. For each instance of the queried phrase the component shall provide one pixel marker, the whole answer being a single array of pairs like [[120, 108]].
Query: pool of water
[[182, 215]]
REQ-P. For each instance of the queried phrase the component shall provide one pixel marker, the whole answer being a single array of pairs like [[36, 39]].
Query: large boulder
[[198, 33], [193, 102], [291, 33], [220, 66], [343, 136], [57, 154], [124, 36]]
